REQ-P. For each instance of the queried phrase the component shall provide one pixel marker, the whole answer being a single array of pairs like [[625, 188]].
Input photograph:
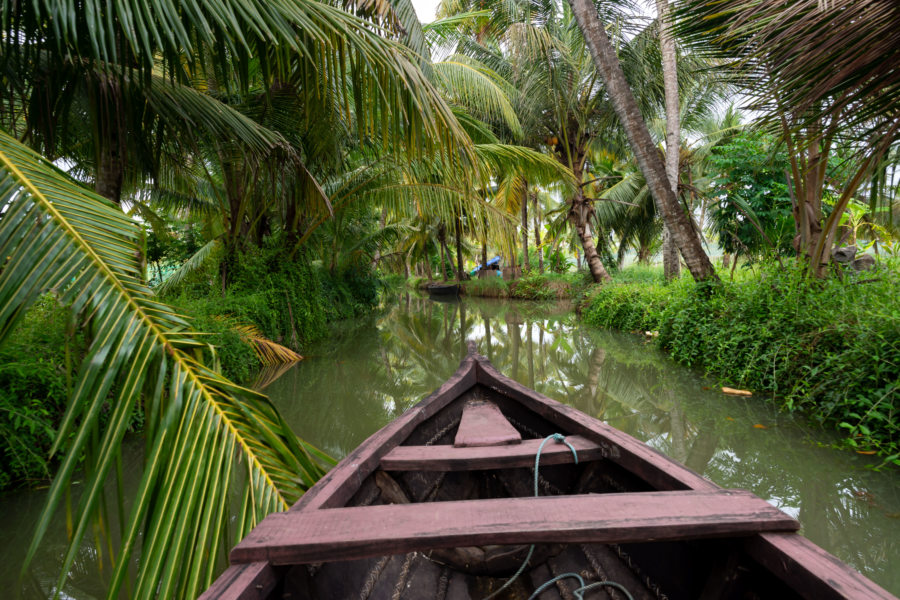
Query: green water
[[369, 371]]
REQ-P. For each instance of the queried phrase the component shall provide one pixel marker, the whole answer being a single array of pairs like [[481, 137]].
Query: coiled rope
[[579, 593]]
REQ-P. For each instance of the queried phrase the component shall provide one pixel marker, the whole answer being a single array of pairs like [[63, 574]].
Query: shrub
[[830, 348], [33, 391]]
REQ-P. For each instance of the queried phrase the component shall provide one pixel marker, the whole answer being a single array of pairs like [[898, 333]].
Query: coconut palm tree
[[820, 71], [622, 100], [81, 78]]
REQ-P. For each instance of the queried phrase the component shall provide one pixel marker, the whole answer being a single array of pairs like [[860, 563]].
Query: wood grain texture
[[339, 484], [249, 581], [810, 570], [450, 458], [358, 532], [483, 424]]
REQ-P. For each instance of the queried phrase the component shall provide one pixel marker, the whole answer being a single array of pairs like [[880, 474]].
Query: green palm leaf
[[203, 432]]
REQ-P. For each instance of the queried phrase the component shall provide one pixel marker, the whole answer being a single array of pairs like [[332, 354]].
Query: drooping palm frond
[[204, 434], [268, 352], [484, 93], [815, 57]]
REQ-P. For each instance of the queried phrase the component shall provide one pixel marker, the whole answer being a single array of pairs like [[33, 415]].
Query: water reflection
[[369, 372]]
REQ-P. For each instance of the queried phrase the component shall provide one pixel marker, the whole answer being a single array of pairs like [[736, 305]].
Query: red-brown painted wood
[[250, 581], [660, 471], [358, 532], [449, 458], [339, 484], [810, 570], [483, 424]]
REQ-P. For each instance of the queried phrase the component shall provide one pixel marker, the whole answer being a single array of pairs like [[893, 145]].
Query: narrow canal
[[369, 371]]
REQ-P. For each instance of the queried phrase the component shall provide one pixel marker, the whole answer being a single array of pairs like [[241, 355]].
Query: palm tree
[[820, 71], [641, 143], [100, 73], [57, 235], [671, 261]]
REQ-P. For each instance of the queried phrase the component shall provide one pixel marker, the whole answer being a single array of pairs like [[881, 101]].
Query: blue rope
[[579, 593]]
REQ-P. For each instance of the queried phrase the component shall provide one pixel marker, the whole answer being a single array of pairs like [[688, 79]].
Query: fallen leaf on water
[[867, 452], [759, 426], [735, 392], [706, 387], [729, 418]]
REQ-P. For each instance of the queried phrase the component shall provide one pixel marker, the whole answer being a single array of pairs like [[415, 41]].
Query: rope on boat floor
[[579, 592]]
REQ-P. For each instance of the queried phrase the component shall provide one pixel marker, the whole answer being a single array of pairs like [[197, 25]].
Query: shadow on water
[[372, 370]]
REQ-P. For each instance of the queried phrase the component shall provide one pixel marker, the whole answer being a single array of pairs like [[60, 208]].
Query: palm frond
[[815, 57], [203, 432], [479, 89], [268, 352], [189, 266]]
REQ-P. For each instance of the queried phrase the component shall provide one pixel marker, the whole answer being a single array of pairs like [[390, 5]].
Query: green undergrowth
[[531, 286], [291, 301], [829, 348], [33, 391]]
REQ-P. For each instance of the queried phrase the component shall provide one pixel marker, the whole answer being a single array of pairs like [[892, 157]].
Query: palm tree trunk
[[671, 261], [537, 233], [641, 143], [442, 238], [580, 216], [459, 261], [110, 130], [526, 264]]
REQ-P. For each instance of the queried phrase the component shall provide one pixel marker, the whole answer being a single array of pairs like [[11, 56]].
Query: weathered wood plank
[[249, 581], [358, 532], [810, 570], [483, 424], [450, 458], [339, 484]]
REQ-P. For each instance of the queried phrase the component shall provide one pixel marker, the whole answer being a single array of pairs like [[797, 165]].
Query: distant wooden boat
[[440, 504], [443, 289]]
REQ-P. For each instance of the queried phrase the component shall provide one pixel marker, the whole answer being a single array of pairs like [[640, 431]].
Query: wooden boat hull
[[440, 504], [441, 289]]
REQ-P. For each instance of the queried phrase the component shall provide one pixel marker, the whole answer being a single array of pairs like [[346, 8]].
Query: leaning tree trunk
[[526, 264], [671, 260], [639, 139]]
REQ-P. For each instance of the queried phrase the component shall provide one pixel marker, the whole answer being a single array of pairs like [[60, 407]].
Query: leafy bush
[[290, 300], [33, 391], [830, 348]]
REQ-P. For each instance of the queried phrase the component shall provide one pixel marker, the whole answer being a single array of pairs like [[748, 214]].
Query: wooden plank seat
[[360, 532], [451, 458], [483, 424]]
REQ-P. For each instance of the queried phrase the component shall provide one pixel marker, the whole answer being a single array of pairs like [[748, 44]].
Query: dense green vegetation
[[829, 348], [233, 184]]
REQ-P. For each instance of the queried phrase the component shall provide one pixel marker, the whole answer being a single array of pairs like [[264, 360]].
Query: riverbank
[[530, 286], [830, 349], [272, 308]]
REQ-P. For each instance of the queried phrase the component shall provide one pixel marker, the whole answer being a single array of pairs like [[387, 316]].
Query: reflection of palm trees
[[372, 373]]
